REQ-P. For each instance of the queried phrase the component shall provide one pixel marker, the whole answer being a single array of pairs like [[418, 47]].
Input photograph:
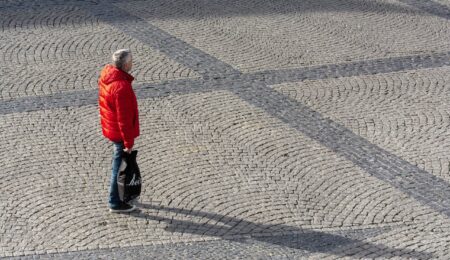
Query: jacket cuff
[[128, 144]]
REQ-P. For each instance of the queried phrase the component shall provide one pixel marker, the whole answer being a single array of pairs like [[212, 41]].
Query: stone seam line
[[364, 154], [430, 7], [424, 187], [375, 161], [312, 240], [184, 86], [174, 48]]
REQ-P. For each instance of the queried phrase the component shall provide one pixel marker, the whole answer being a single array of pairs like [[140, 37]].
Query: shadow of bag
[[129, 179]]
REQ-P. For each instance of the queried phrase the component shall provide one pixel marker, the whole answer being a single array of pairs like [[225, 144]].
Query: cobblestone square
[[298, 129]]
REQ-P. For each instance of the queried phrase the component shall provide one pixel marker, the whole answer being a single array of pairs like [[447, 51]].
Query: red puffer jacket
[[118, 106]]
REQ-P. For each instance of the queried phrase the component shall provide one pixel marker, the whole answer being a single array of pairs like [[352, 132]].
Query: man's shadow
[[238, 230]]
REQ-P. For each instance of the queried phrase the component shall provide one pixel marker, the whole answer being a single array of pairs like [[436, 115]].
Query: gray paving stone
[[439, 8], [409, 108], [270, 130], [298, 245], [221, 155], [58, 48], [146, 90], [263, 35], [171, 46]]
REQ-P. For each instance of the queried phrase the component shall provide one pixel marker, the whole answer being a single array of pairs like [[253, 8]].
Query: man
[[119, 117]]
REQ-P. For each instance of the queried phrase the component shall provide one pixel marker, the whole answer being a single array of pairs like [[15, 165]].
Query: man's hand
[[127, 150]]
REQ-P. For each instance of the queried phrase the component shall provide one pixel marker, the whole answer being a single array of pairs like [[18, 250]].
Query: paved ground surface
[[270, 129]]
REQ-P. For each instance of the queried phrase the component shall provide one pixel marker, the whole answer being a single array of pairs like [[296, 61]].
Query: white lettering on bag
[[134, 182]]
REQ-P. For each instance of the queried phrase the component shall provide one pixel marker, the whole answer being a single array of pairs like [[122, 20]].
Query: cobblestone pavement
[[313, 129]]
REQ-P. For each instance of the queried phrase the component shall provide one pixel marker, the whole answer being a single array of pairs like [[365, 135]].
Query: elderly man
[[119, 117]]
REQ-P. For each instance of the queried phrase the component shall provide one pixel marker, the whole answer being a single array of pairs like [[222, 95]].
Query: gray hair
[[121, 57]]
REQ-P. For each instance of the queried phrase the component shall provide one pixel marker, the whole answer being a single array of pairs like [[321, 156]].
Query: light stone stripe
[[174, 48], [284, 246], [254, 89], [430, 6], [90, 97], [184, 86], [358, 68], [426, 188]]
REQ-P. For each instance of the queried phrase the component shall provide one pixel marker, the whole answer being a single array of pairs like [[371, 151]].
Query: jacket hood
[[110, 74]]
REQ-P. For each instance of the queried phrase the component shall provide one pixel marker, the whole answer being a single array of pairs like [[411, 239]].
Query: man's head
[[122, 59]]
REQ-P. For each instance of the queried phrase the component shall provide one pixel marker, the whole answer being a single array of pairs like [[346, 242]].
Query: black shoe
[[122, 208]]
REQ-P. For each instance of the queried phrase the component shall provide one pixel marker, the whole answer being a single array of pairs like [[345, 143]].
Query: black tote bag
[[129, 179]]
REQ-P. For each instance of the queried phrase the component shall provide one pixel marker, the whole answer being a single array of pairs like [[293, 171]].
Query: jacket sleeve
[[125, 114]]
